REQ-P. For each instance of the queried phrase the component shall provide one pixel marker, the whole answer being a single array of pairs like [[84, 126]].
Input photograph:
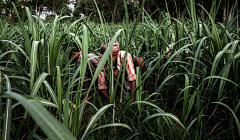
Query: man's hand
[[104, 92]]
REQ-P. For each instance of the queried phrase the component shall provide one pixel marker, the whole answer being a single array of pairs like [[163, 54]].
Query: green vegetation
[[192, 94]]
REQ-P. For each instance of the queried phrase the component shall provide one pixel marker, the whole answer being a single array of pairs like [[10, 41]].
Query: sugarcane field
[[119, 70]]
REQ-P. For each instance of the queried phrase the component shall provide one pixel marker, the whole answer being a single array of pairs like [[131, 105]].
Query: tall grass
[[193, 95]]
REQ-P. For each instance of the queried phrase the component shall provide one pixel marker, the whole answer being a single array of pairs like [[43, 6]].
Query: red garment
[[131, 76]]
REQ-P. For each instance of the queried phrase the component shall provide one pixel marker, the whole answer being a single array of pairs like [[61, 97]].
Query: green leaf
[[42, 24], [148, 103], [59, 90], [111, 125], [72, 25], [19, 77], [18, 47], [32, 98], [38, 83], [2, 55], [52, 93], [10, 70], [175, 118], [234, 115], [94, 119], [195, 58], [186, 94], [7, 113], [49, 125], [33, 62]]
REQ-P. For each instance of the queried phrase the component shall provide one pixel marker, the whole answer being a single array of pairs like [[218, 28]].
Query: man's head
[[103, 48], [115, 49]]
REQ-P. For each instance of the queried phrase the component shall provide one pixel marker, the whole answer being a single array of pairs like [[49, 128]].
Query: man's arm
[[131, 75], [132, 88]]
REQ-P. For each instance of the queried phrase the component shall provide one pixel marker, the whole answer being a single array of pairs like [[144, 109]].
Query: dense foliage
[[114, 11], [192, 78]]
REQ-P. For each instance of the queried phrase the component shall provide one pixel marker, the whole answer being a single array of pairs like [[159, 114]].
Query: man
[[93, 63], [76, 55], [117, 58], [91, 67]]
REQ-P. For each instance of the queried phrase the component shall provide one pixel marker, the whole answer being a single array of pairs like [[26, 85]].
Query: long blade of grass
[[1, 114], [49, 125], [175, 118], [59, 91], [148, 103], [234, 115], [111, 125], [139, 92], [185, 101], [94, 119], [42, 24], [32, 98], [26, 35], [195, 59], [72, 25], [7, 113], [33, 63], [83, 65], [38, 83], [18, 47], [52, 93], [11, 70], [32, 24], [52, 43]]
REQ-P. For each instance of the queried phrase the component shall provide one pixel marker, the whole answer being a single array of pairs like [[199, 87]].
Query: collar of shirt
[[120, 58]]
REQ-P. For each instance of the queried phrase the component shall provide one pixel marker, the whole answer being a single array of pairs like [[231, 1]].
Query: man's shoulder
[[91, 54], [123, 52]]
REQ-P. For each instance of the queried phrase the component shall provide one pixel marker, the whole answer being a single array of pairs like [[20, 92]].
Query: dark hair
[[103, 47]]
